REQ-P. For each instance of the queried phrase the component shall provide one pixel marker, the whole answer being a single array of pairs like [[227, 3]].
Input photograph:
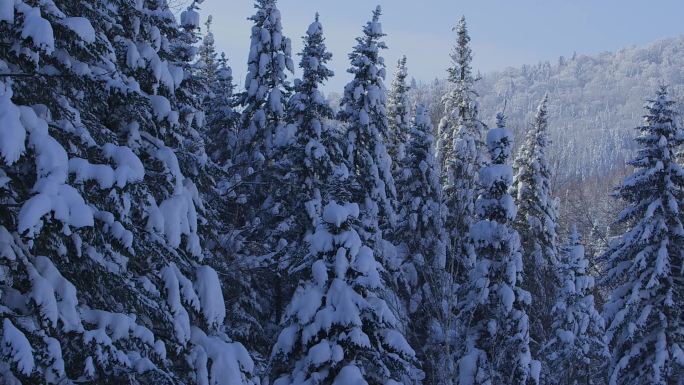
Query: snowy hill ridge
[[595, 101]]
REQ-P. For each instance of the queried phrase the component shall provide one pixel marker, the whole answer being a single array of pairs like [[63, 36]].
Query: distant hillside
[[595, 101]]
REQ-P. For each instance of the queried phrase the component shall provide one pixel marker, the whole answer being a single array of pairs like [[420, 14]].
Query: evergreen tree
[[262, 120], [207, 57], [536, 223], [496, 333], [644, 313], [303, 162], [339, 329], [302, 167], [104, 278], [218, 101], [266, 86], [363, 110], [398, 114], [460, 106], [576, 352], [460, 152], [421, 230]]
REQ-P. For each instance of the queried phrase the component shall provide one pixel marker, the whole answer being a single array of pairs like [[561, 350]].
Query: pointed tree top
[[373, 27], [662, 90], [545, 99], [461, 25], [401, 68], [542, 111], [461, 28], [542, 108], [315, 28]]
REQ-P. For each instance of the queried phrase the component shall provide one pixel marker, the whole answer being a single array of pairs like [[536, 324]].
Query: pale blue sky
[[504, 32]]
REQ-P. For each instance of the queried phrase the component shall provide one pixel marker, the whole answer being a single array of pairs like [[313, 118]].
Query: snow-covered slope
[[595, 101]]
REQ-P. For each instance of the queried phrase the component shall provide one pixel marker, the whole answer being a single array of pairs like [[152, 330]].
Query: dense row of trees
[[159, 227]]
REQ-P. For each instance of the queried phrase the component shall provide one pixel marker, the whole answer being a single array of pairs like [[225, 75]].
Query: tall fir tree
[[421, 231], [496, 334], [537, 224], [364, 113], [644, 313], [302, 166], [307, 145], [207, 57], [460, 106], [104, 278], [460, 153], [218, 101], [266, 86], [398, 114], [576, 352], [263, 118]]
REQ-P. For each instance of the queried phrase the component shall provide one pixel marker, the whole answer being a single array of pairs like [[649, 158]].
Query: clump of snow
[[12, 134], [496, 173], [495, 136], [129, 167], [161, 106], [81, 26], [230, 361], [118, 325], [84, 170], [208, 287], [336, 214], [190, 18], [6, 241], [115, 228], [17, 345], [320, 272], [177, 214], [53, 194], [180, 218], [179, 288], [65, 294], [350, 375], [38, 29]]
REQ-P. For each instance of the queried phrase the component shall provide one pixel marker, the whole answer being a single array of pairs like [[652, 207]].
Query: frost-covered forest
[[159, 225]]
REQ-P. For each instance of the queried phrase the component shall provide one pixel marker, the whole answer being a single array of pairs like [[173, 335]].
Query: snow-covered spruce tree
[[460, 152], [218, 101], [266, 86], [496, 335], [301, 167], [339, 330], [576, 352], [207, 57], [536, 224], [102, 277], [262, 118], [306, 146], [398, 114], [421, 231], [460, 105], [364, 113], [644, 313]]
